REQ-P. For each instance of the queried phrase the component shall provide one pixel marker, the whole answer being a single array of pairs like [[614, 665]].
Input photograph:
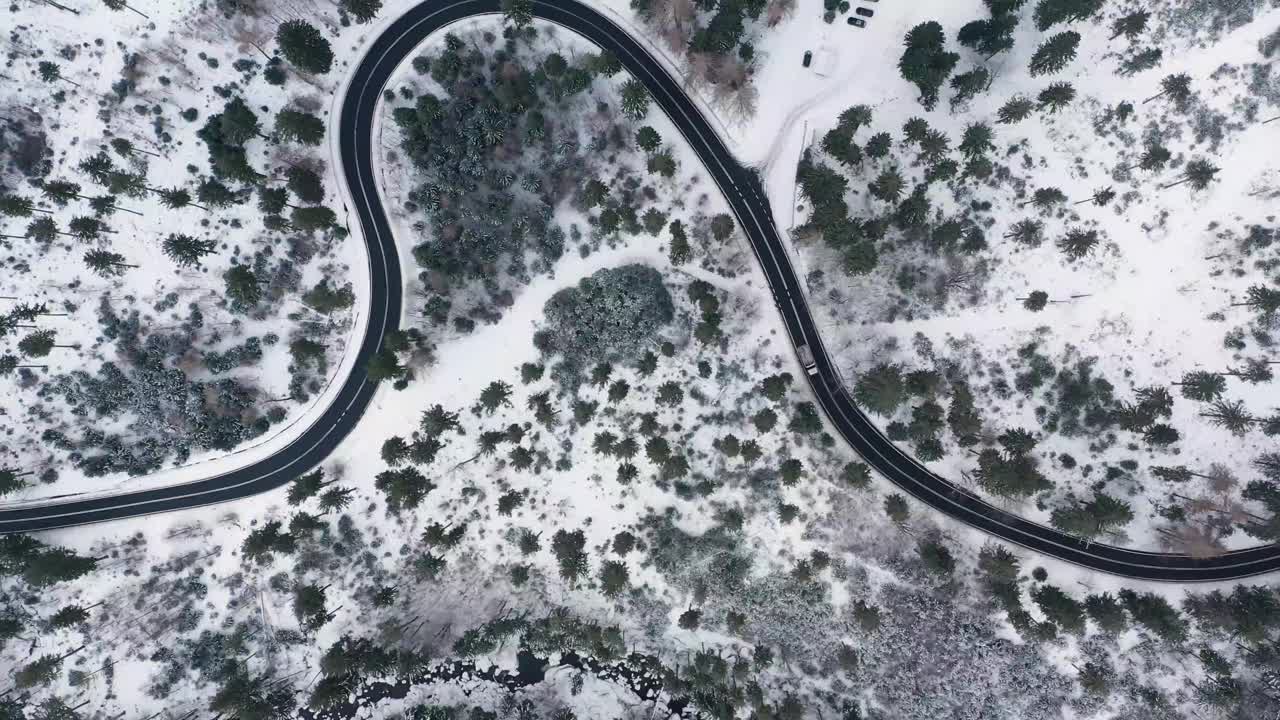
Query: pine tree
[[967, 85], [125, 148], [1056, 96], [61, 192], [238, 123], [1154, 156], [1045, 198], [106, 263], [16, 206], [1199, 173], [1093, 518], [52, 72], [635, 99], [306, 486], [186, 250], [881, 389], [1055, 53], [888, 185], [1265, 300], [925, 61], [309, 606], [1036, 301], [518, 12], [177, 198], [300, 127], [55, 565], [38, 344], [336, 499], [1131, 25], [1017, 109], [241, 288], [69, 616], [648, 139], [1029, 232], [304, 46], [1203, 386], [118, 5], [1100, 197], [11, 480], [614, 578], [1230, 416], [362, 10], [1176, 87], [1051, 12], [568, 549], [1141, 61], [977, 140], [1078, 242], [385, 365], [43, 230], [989, 37], [312, 218], [404, 488]]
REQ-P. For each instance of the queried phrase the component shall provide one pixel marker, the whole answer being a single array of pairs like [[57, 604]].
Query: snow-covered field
[[823, 576], [1152, 302]]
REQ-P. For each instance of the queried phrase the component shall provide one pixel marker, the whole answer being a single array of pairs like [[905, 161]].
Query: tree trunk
[[1081, 202], [14, 237], [73, 82], [137, 11], [1166, 187], [1264, 122], [1153, 97], [135, 212]]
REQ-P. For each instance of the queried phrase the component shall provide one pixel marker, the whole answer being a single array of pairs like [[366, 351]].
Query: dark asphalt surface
[[744, 193]]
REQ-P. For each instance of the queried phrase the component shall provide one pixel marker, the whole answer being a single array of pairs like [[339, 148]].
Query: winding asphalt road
[[744, 193]]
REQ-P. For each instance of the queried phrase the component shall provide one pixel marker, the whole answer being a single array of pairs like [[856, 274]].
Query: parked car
[[865, 12], [808, 58], [857, 22]]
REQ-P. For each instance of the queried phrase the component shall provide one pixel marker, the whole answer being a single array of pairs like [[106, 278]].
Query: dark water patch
[[639, 673]]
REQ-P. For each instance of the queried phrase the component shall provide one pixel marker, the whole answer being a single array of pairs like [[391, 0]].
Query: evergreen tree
[[895, 506], [881, 389], [925, 61], [16, 206], [1265, 300], [304, 46], [878, 145], [309, 606], [54, 565], [38, 344], [242, 288], [1055, 97], [1093, 518], [635, 98], [1036, 301], [570, 555], [614, 578], [989, 37], [1144, 60], [404, 488], [1055, 53], [647, 139], [1060, 608], [61, 192], [1176, 87], [888, 185], [1046, 198], [1203, 386], [1078, 242], [977, 140], [362, 10], [1156, 614], [1130, 25], [518, 12], [306, 486], [177, 198], [1051, 12], [1199, 173], [1029, 232], [300, 127], [118, 5], [1107, 612], [1230, 416], [68, 616], [106, 263], [52, 72], [186, 250], [1017, 109]]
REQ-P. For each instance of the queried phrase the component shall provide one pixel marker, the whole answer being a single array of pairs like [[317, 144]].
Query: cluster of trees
[[715, 38], [611, 315], [41, 565]]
